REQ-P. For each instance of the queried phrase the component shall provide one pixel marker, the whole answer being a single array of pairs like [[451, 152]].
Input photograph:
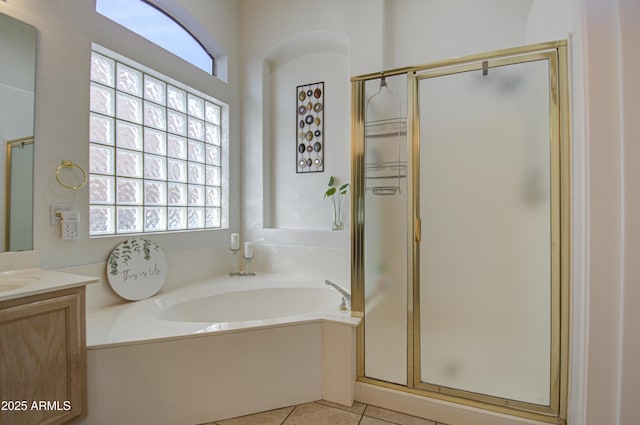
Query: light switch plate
[[56, 211]]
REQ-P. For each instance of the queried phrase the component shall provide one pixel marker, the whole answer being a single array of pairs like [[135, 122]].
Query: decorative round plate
[[136, 269]]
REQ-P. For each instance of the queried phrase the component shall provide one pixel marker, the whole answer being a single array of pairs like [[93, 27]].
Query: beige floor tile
[[271, 417], [395, 417], [367, 420], [356, 408], [319, 414]]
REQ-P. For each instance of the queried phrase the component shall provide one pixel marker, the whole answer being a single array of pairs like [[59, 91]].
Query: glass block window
[[155, 153]]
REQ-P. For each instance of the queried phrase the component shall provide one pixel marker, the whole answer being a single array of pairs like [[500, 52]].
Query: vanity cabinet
[[43, 358]]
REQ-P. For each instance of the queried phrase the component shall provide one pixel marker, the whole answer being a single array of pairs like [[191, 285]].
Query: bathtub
[[219, 348]]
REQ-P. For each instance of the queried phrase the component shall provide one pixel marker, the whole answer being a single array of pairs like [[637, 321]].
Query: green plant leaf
[[330, 192], [344, 186], [331, 180]]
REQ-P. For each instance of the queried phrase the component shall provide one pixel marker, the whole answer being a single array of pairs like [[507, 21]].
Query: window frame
[[179, 24]]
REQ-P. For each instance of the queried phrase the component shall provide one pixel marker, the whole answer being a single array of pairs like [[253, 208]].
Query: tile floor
[[327, 413]]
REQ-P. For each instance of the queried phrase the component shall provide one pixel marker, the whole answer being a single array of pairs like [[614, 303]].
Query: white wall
[[269, 29], [296, 200], [548, 20], [605, 375], [612, 129], [629, 13], [430, 30], [603, 204]]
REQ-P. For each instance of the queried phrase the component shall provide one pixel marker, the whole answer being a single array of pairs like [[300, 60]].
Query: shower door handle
[[418, 230]]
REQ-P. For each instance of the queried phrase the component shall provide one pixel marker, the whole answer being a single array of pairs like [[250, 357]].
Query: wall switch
[[70, 225], [56, 211]]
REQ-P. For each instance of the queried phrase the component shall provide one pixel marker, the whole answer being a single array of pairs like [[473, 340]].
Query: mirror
[[17, 95]]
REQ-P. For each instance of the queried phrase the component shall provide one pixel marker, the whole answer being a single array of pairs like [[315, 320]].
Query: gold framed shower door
[[556, 55]]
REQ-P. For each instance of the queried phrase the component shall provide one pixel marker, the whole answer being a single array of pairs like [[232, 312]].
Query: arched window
[[160, 28]]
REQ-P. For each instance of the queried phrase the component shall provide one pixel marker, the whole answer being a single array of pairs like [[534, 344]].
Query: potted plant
[[336, 194]]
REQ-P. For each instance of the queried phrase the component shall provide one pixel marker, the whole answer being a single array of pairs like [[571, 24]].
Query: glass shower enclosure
[[460, 229]]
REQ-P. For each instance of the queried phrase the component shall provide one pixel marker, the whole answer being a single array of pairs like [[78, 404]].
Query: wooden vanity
[[42, 358], [43, 348]]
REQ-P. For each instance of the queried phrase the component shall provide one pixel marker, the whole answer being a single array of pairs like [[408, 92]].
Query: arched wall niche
[[292, 200], [307, 43]]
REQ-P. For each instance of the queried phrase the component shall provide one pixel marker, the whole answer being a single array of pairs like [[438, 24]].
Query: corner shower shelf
[[384, 138], [376, 175], [392, 127]]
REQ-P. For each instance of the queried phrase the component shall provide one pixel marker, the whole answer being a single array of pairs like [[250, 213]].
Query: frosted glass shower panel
[[385, 230], [485, 256]]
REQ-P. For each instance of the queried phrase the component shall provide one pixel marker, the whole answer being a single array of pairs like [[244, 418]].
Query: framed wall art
[[310, 147]]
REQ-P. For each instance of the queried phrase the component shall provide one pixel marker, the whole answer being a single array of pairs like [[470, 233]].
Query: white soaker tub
[[220, 348], [251, 303]]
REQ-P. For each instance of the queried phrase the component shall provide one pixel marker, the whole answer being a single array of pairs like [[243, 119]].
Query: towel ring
[[69, 165]]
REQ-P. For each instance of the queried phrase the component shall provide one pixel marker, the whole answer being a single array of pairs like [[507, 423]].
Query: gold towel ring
[[70, 164]]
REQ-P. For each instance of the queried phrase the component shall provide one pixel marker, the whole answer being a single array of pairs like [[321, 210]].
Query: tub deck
[[141, 322]]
